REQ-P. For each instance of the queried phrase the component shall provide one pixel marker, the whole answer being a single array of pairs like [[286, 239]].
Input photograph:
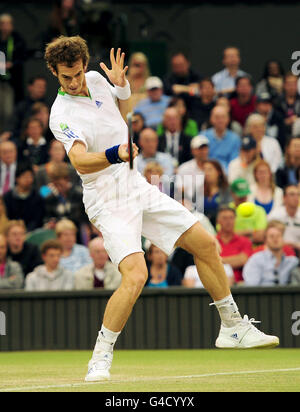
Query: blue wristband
[[112, 155]]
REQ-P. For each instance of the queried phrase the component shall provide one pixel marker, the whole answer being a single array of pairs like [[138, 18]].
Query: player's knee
[[207, 249], [134, 283]]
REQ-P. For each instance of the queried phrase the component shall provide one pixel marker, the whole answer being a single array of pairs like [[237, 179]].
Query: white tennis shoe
[[245, 335], [98, 369]]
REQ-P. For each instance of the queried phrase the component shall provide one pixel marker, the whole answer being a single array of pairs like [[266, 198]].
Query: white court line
[[147, 379]]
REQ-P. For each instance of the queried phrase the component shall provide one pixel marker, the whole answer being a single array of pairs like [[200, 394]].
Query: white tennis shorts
[[133, 208]]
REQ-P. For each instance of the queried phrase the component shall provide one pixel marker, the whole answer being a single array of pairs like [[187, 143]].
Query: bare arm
[[236, 261]]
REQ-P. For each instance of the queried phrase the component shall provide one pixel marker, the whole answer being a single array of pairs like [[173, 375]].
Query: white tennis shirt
[[97, 122]]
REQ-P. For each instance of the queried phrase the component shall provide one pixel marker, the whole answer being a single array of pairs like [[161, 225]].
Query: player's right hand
[[124, 153]]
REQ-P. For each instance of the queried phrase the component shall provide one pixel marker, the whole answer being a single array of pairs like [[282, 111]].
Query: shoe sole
[[266, 346], [102, 378]]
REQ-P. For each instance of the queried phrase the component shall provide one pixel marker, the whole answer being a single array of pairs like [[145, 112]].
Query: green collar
[[78, 95]]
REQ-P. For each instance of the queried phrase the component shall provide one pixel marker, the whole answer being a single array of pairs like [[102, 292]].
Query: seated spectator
[[289, 214], [65, 201], [183, 80], [264, 192], [64, 20], [274, 120], [191, 278], [37, 88], [224, 145], [41, 112], [289, 102], [161, 273], [152, 108], [243, 166], [25, 253], [56, 159], [8, 166], [202, 105], [148, 153], [216, 189], [235, 249], [99, 274], [34, 148], [225, 80], [271, 266], [272, 80], [74, 256], [252, 226], [190, 175], [11, 275], [174, 141], [267, 147], [286, 174], [187, 125], [153, 173], [244, 103], [138, 124], [233, 125], [137, 74], [3, 216], [23, 202], [51, 275]]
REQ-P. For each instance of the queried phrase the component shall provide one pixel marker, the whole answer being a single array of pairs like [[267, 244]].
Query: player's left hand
[[117, 73]]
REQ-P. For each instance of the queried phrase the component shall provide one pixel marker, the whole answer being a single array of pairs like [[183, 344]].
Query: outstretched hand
[[117, 73]]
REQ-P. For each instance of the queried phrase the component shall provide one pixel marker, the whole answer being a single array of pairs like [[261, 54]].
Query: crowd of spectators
[[212, 143]]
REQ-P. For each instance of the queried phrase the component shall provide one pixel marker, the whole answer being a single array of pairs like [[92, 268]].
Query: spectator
[[224, 145], [153, 173], [8, 166], [74, 256], [289, 214], [138, 73], [11, 275], [187, 125], [202, 105], [153, 107], [233, 124], [252, 226], [183, 80], [25, 253], [191, 278], [56, 159], [225, 80], [161, 273], [272, 80], [11, 84], [264, 192], [34, 148], [149, 153], [190, 175], [3, 216], [41, 112], [138, 124], [244, 103], [267, 147], [51, 275], [65, 201], [37, 88], [274, 120], [235, 249], [286, 174], [64, 20], [216, 189], [23, 202], [243, 166], [289, 102], [271, 266], [174, 141], [99, 274]]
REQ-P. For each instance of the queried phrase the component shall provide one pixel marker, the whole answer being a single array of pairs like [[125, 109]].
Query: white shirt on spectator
[[191, 273], [292, 224]]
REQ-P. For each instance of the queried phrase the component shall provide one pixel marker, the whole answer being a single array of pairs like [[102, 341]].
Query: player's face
[[72, 79]]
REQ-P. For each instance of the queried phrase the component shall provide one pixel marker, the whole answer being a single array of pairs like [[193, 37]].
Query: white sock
[[228, 310], [105, 341]]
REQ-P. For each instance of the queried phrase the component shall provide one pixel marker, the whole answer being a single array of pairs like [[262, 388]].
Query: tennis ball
[[246, 209]]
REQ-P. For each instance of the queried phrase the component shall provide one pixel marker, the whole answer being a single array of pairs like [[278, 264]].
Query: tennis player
[[88, 118]]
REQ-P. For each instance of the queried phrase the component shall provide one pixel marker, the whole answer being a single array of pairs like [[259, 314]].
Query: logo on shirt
[[98, 104], [68, 132]]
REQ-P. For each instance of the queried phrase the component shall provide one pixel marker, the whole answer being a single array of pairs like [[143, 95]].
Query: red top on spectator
[[287, 250], [240, 113]]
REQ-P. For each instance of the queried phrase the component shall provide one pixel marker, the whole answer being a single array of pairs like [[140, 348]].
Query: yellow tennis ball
[[246, 209]]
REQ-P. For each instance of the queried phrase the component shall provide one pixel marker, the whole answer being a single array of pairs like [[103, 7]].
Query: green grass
[[155, 371]]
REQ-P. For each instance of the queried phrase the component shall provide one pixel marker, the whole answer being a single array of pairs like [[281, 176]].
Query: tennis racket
[[130, 139]]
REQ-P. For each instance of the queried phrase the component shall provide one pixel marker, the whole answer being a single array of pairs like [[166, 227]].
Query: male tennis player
[[87, 118]]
